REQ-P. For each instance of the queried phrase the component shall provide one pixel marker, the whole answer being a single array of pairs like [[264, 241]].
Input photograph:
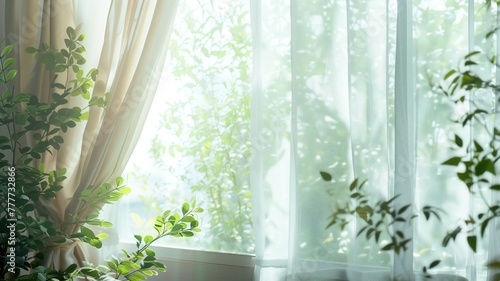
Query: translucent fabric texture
[[351, 88]]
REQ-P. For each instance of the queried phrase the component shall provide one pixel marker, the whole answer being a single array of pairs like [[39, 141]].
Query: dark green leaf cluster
[[378, 217], [35, 232], [22, 117], [475, 158]]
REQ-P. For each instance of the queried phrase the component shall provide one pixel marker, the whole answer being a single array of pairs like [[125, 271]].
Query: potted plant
[[26, 233]]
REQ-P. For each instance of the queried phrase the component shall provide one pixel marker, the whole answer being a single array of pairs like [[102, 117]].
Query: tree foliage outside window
[[200, 146]]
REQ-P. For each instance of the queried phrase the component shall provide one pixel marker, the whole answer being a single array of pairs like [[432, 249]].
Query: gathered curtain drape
[[351, 88], [127, 41]]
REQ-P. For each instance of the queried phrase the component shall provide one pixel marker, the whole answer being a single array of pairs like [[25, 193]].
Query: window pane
[[197, 142]]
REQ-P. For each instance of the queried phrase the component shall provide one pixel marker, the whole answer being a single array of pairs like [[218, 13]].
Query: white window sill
[[199, 265]]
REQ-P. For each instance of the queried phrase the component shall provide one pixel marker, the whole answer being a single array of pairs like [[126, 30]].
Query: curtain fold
[[350, 88], [130, 58]]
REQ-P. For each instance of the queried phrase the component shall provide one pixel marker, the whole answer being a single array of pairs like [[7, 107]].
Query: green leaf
[[136, 276], [479, 148], [458, 141], [150, 272], [11, 75], [185, 208], [434, 264], [6, 95], [353, 185], [6, 51], [219, 54], [59, 86], [40, 277], [450, 73], [471, 54], [31, 50], [60, 69], [326, 176], [204, 51], [484, 225], [90, 272], [96, 243], [112, 265], [138, 238], [387, 247], [493, 264], [150, 252], [58, 139], [87, 232], [71, 33], [485, 165], [362, 213], [102, 235], [119, 181], [403, 209], [187, 234], [35, 155], [454, 161], [20, 119], [472, 241], [194, 224], [495, 187], [125, 190], [70, 268], [148, 239], [9, 62]]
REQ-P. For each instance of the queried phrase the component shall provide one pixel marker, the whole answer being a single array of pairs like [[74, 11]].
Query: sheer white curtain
[[350, 87]]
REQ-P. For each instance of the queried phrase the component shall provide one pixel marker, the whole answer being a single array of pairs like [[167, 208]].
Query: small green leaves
[[148, 239], [495, 187], [119, 181], [454, 161], [485, 165], [8, 63], [494, 264], [71, 33], [185, 208], [472, 241], [449, 74], [430, 210], [10, 75], [325, 176], [434, 264], [458, 141], [31, 50], [6, 51], [451, 236]]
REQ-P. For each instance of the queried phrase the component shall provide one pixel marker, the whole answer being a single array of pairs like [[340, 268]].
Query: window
[[323, 97], [196, 143]]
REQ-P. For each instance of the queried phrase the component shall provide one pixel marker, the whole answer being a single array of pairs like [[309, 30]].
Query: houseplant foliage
[[26, 233], [475, 157], [378, 218]]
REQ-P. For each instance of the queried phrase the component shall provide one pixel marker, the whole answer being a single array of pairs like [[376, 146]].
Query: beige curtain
[[129, 49]]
